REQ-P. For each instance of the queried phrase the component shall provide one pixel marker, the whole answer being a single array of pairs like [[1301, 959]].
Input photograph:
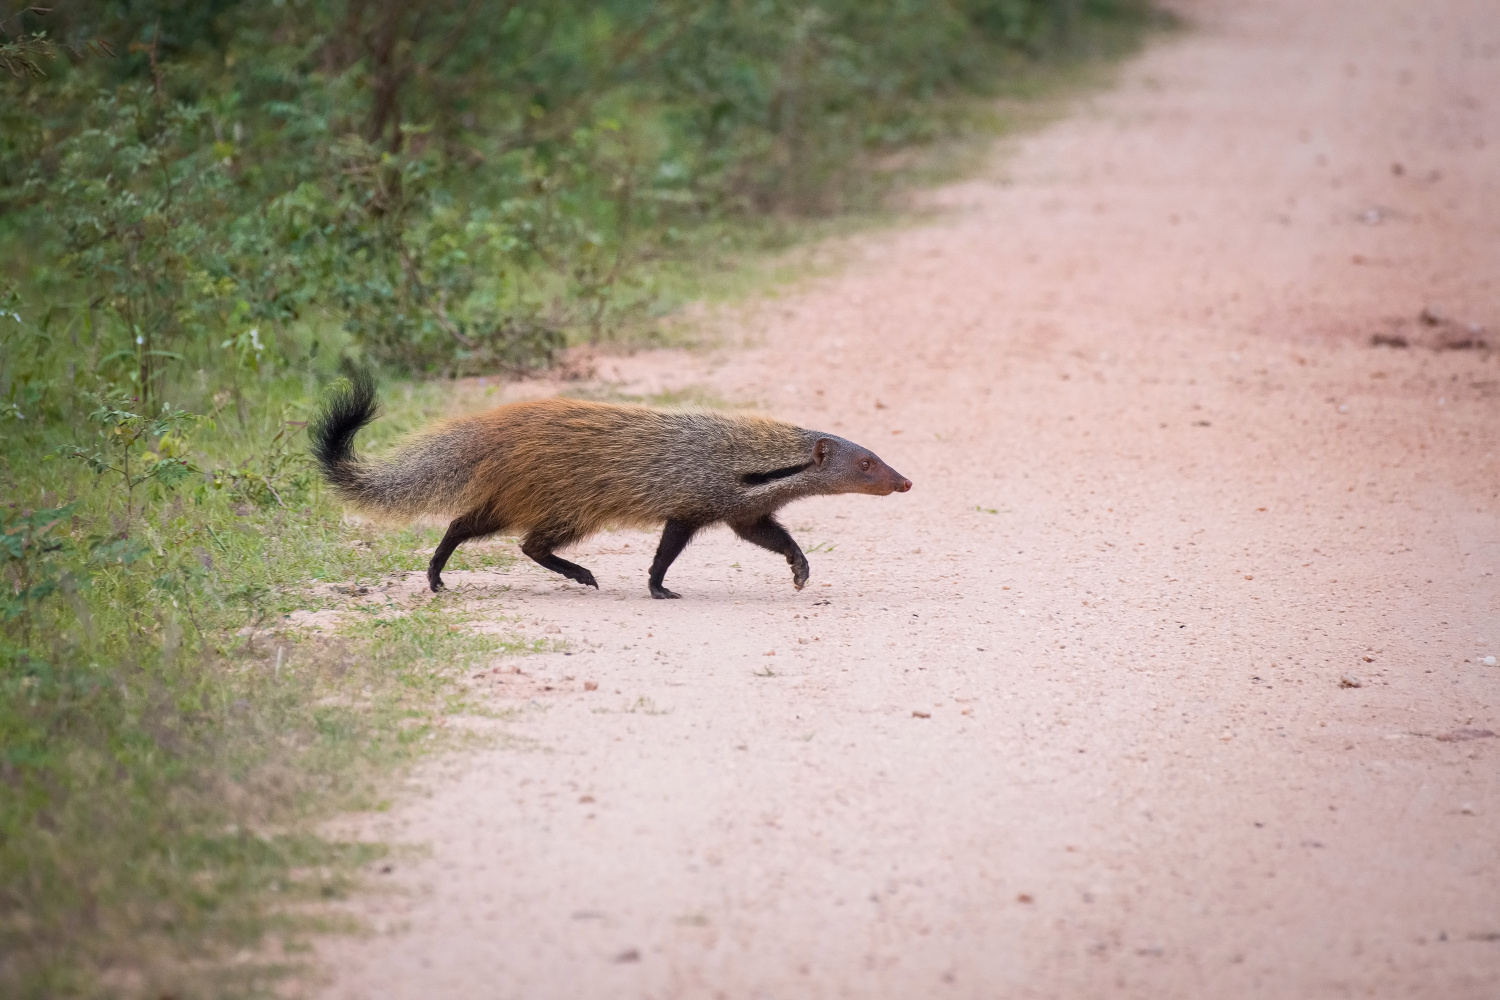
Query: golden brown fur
[[562, 469]]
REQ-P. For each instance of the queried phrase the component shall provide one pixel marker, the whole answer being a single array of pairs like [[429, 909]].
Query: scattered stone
[[1350, 681], [591, 685], [1448, 334], [916, 714], [1456, 339], [1488, 661], [1461, 735]]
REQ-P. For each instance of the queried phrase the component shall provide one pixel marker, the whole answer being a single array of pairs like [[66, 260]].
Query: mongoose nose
[[903, 486]]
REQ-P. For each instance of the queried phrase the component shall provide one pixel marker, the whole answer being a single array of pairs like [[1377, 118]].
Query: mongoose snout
[[860, 468], [559, 470]]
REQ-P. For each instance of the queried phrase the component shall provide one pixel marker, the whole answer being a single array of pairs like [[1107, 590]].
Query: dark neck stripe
[[761, 478]]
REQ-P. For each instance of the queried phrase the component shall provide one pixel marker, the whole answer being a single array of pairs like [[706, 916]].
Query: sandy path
[[1066, 720]]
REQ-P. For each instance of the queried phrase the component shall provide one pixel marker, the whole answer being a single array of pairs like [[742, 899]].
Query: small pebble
[[1350, 681], [1488, 661]]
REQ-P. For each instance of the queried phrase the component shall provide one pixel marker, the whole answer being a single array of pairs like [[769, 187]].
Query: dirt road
[[1168, 678]]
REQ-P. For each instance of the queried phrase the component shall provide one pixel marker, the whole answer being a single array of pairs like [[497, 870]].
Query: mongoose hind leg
[[768, 533], [674, 538], [538, 547], [474, 524]]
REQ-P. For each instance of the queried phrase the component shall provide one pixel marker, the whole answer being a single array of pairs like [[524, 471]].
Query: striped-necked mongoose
[[562, 469]]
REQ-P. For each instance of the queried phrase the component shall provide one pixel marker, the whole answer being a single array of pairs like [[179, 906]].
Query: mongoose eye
[[864, 465]]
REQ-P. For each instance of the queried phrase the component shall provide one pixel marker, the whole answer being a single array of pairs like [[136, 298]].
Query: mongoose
[[562, 469]]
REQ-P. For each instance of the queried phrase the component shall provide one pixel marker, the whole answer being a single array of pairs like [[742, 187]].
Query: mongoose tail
[[347, 408], [429, 475], [558, 470]]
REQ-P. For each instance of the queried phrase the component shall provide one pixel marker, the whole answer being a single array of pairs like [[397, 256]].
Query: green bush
[[451, 186]]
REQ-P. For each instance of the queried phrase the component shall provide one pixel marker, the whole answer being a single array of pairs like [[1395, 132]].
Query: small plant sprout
[[123, 436]]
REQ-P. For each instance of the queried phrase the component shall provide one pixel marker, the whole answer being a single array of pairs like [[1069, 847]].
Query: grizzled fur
[[563, 469]]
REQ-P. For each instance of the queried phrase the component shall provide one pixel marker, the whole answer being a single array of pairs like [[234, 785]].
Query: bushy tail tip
[[350, 405]]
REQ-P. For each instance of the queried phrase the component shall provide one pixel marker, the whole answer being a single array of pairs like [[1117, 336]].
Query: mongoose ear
[[821, 450]]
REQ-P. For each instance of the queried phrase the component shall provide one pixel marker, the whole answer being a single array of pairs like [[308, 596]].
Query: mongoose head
[[840, 466]]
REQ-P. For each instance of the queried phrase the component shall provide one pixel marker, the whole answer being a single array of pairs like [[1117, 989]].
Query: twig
[[438, 307]]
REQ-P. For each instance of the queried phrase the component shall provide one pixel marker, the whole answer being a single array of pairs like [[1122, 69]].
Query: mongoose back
[[561, 469]]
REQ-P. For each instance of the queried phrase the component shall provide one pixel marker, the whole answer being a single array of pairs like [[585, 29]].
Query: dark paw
[[436, 583], [662, 593], [800, 572], [587, 579]]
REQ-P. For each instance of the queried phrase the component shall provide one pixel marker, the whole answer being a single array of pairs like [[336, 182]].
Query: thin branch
[[439, 309]]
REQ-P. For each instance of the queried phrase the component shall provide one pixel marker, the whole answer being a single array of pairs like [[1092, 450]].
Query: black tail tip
[[349, 406]]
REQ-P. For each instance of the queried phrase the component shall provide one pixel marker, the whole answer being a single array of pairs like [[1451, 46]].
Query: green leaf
[[171, 471]]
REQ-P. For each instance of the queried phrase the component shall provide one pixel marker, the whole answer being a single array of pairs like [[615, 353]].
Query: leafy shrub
[[461, 185]]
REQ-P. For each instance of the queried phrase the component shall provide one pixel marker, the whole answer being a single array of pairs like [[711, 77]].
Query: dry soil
[[1167, 679]]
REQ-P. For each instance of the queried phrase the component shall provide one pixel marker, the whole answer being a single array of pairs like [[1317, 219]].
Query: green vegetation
[[205, 209]]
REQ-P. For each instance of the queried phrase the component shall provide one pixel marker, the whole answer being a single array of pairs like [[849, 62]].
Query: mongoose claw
[[436, 583], [662, 593], [800, 573], [587, 579]]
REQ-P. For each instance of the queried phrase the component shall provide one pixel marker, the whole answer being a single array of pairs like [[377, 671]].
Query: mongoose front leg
[[538, 547], [674, 538], [474, 524], [769, 534]]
